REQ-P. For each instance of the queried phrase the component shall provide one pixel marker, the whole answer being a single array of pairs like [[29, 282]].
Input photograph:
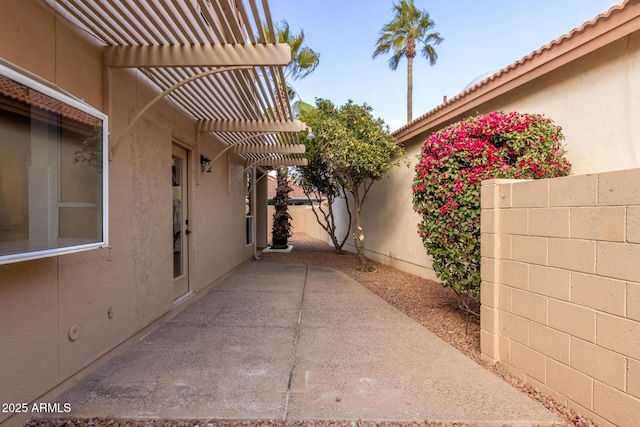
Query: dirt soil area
[[425, 301]]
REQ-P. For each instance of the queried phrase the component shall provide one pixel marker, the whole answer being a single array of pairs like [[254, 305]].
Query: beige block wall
[[111, 293], [566, 290]]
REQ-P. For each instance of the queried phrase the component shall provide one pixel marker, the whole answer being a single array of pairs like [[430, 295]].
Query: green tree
[[409, 28], [319, 184], [356, 150]]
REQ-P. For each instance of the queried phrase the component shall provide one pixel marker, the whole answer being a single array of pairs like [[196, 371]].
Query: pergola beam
[[208, 55], [280, 162], [270, 149], [252, 126]]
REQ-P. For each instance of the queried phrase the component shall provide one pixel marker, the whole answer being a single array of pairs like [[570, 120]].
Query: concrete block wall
[[561, 288]]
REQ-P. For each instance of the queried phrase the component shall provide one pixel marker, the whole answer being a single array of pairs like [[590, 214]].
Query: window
[[53, 171]]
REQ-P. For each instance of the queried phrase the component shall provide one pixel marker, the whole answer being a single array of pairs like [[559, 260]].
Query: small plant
[[446, 185]]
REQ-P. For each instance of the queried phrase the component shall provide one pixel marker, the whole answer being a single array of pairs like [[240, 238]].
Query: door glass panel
[[178, 243]]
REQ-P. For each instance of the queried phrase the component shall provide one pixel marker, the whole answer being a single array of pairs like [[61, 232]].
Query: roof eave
[[617, 22]]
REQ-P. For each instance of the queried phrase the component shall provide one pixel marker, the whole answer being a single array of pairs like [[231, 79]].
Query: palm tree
[[408, 28], [304, 60]]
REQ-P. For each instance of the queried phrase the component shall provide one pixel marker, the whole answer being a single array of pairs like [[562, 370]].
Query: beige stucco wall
[[133, 278], [561, 288], [595, 99], [303, 221]]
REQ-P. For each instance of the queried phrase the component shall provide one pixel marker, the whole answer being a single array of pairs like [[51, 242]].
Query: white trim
[[82, 106]]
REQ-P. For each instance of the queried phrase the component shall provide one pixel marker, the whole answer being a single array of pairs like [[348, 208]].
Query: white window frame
[[80, 105]]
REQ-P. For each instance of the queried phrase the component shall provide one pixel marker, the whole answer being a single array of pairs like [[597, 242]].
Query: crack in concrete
[[296, 337]]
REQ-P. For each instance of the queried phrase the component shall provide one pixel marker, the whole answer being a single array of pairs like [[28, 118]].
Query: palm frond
[[408, 26]]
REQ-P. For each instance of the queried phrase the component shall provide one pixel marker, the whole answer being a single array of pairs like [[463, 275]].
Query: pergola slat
[[210, 58]]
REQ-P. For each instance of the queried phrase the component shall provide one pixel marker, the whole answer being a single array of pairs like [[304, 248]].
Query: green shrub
[[446, 186]]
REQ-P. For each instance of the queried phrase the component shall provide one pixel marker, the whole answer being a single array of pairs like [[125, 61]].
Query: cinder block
[[489, 319], [598, 223], [528, 361], [514, 274], [550, 342], [633, 224], [514, 327], [600, 363], [489, 296], [488, 345], [529, 305], [505, 297], [530, 194], [487, 194], [489, 270], [633, 301], [513, 221], [603, 294], [529, 249], [570, 382], [576, 190], [504, 196], [549, 222], [619, 188], [619, 260], [619, 334], [572, 319], [571, 254], [488, 221], [633, 377], [489, 245], [615, 406], [505, 348], [504, 246], [552, 282]]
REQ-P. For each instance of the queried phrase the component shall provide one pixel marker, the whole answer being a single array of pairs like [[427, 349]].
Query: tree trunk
[[358, 235], [409, 88]]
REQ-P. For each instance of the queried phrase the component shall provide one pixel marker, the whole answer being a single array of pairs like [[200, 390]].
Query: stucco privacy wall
[[594, 98], [133, 278], [561, 288], [303, 221]]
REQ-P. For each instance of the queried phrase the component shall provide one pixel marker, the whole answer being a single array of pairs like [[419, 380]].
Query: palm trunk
[[409, 88]]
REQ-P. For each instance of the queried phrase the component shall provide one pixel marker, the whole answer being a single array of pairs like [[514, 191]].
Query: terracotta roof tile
[[19, 92], [590, 29]]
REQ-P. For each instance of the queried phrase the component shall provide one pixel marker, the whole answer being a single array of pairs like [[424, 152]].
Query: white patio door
[[180, 222]]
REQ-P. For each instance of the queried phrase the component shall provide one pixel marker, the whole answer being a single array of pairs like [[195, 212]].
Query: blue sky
[[480, 36]]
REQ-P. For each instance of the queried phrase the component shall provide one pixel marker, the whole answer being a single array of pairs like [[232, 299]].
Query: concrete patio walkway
[[296, 342]]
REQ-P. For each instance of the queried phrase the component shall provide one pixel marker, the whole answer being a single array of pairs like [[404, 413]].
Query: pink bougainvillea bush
[[446, 186]]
